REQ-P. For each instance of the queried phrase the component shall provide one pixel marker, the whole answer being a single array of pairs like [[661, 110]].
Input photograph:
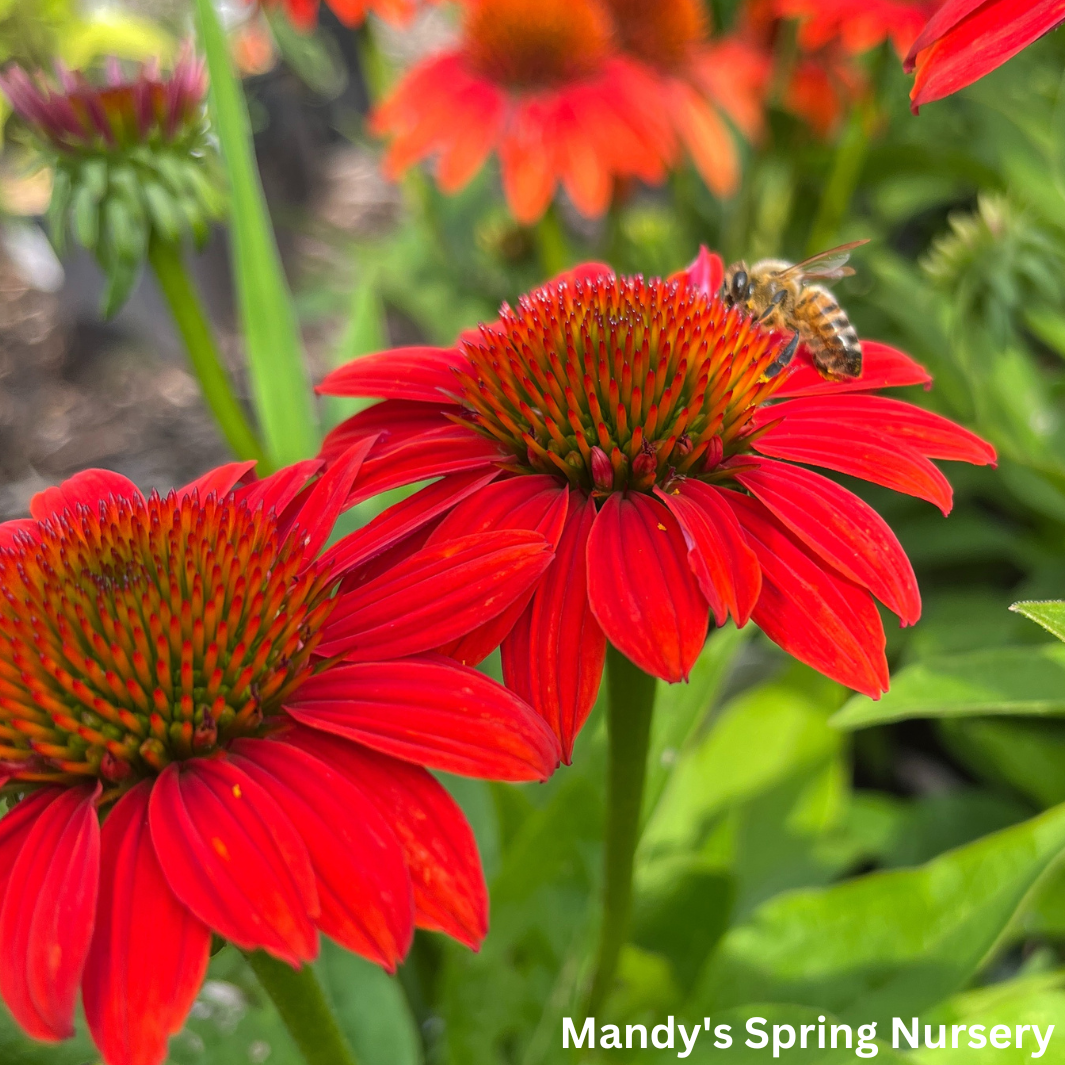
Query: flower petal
[[553, 657], [431, 454], [89, 488], [421, 373], [930, 434], [431, 711], [278, 491], [231, 854], [705, 274], [450, 894], [437, 594], [16, 529], [721, 559], [363, 884], [843, 529], [882, 367], [402, 519], [391, 420], [534, 502], [861, 452], [46, 922], [641, 588], [16, 826], [219, 481], [328, 497], [149, 953], [821, 618]]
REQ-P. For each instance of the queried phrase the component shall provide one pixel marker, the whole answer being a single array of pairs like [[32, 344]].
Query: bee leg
[[774, 303], [783, 359]]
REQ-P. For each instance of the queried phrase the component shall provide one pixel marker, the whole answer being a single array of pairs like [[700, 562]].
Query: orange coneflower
[[538, 82], [857, 27]]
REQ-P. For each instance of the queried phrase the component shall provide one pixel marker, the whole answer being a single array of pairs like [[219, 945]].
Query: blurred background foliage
[[888, 862]]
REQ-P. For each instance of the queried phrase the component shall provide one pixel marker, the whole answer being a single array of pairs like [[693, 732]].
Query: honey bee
[[780, 294]]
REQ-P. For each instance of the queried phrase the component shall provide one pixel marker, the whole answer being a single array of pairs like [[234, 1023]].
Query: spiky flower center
[[620, 383], [535, 44], [139, 633], [661, 33]]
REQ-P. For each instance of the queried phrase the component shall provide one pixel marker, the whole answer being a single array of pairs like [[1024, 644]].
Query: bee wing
[[830, 265]]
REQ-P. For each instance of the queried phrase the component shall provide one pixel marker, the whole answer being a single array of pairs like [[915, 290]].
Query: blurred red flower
[[698, 80], [966, 39], [642, 428], [304, 13], [858, 27], [539, 82], [251, 723]]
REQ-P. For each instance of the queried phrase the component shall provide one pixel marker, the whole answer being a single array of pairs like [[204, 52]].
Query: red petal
[[431, 711], [843, 529], [328, 497], [278, 490], [391, 421], [449, 889], [16, 529], [583, 272], [219, 481], [882, 367], [705, 274], [149, 953], [437, 594], [641, 588], [535, 502], [930, 434], [721, 559], [16, 825], [945, 18], [231, 854], [978, 41], [403, 518], [363, 885], [47, 918], [90, 488], [553, 657], [861, 452], [431, 454], [426, 374], [819, 617]]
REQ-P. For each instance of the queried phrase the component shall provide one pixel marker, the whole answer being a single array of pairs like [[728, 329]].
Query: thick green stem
[[631, 699], [196, 332], [851, 153], [555, 253], [300, 1000]]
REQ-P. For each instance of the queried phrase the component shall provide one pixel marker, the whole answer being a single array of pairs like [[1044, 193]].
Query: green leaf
[[18, 1049], [890, 943], [279, 380], [1004, 680], [1049, 614]]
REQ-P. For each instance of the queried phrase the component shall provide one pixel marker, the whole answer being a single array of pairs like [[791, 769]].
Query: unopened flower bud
[[683, 446], [602, 470], [715, 449], [645, 464]]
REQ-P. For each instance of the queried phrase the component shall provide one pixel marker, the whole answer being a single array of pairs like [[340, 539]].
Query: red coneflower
[[538, 82], [304, 13], [184, 670], [697, 79], [858, 27], [641, 426], [966, 39]]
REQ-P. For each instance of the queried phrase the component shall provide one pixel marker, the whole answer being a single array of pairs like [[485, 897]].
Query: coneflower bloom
[[304, 13], [966, 39], [132, 156], [699, 80], [199, 732], [538, 82], [644, 428], [858, 27]]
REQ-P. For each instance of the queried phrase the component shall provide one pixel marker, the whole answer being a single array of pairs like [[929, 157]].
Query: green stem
[[195, 329], [300, 1000], [842, 182], [631, 699], [555, 253]]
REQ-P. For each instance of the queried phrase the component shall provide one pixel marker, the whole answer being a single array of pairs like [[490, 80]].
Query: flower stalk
[[301, 1001], [630, 705], [191, 320]]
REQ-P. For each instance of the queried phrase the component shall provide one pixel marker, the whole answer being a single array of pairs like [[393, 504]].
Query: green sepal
[[122, 277], [58, 208], [85, 217], [162, 211], [93, 176]]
